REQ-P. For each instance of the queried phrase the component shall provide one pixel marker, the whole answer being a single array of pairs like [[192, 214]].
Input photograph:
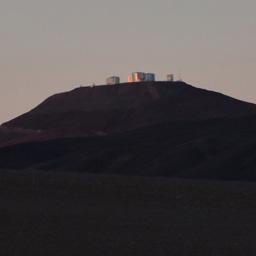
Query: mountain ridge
[[129, 106]]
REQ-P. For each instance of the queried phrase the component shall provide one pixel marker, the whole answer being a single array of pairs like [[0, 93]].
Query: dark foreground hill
[[110, 109], [220, 149], [47, 213]]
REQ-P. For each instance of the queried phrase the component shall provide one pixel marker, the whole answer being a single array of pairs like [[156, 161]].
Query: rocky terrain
[[49, 213]]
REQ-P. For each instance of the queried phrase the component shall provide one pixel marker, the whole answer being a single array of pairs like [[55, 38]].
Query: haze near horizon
[[53, 46]]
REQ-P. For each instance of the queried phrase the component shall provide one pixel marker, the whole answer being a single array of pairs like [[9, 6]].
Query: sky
[[52, 46]]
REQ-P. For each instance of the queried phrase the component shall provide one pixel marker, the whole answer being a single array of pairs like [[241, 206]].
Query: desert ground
[[64, 213]]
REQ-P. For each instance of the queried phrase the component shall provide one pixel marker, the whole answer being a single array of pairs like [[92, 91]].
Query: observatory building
[[137, 77], [113, 80], [150, 77], [141, 77], [170, 78]]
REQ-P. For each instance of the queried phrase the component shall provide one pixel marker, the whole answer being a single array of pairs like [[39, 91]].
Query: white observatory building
[[113, 80], [170, 78], [150, 77], [141, 77]]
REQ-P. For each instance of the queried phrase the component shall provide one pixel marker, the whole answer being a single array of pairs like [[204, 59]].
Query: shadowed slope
[[222, 149]]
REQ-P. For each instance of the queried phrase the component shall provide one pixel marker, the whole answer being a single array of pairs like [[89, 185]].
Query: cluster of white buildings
[[137, 77], [141, 77]]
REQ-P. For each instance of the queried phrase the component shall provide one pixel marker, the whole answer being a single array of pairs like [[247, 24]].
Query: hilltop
[[101, 110], [129, 106]]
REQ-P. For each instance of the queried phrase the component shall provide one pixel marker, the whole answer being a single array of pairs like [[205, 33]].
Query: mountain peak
[[123, 107]]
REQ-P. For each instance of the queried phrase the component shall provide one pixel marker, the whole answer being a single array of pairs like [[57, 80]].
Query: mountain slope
[[221, 149]]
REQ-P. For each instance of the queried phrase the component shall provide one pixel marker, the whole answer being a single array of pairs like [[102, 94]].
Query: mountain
[[166, 129], [101, 110]]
